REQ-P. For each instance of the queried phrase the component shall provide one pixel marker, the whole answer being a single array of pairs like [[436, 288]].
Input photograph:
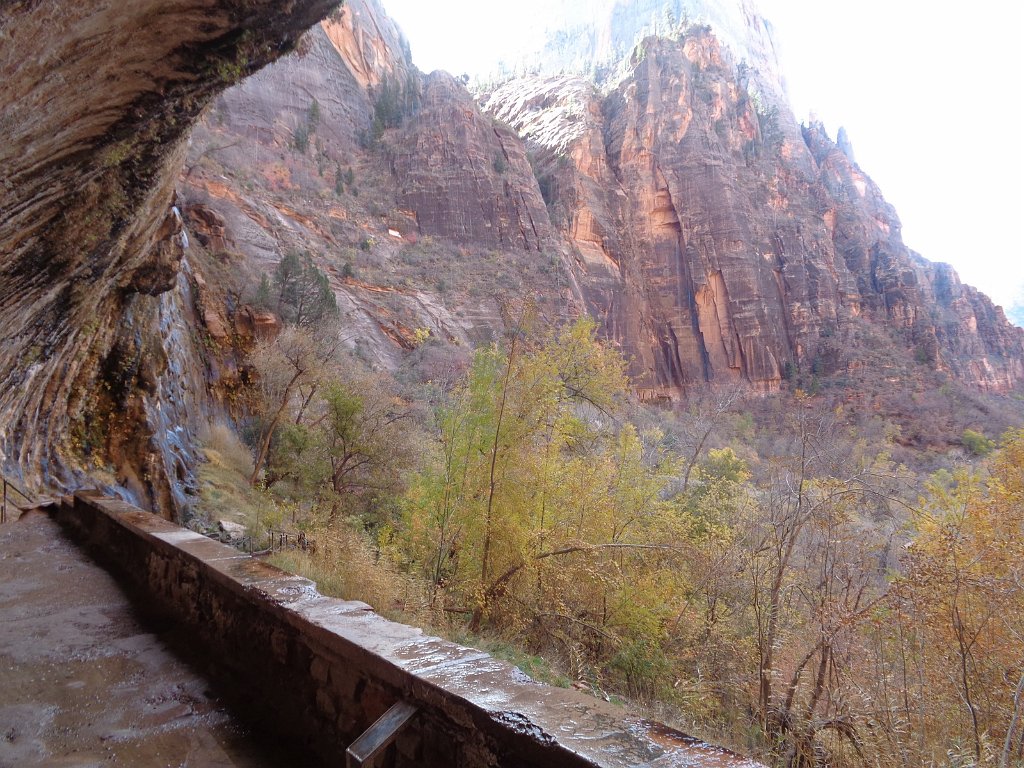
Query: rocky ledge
[[96, 101]]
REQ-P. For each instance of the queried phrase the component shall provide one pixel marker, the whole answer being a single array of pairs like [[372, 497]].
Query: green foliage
[[328, 436], [638, 54], [537, 667], [977, 443], [644, 668], [306, 129], [500, 164], [724, 466], [295, 457], [537, 500], [749, 583], [396, 99], [321, 158], [300, 139], [303, 293], [341, 180], [771, 137], [264, 293], [771, 132], [313, 115]]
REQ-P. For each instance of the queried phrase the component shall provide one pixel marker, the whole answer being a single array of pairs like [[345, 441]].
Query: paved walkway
[[84, 683]]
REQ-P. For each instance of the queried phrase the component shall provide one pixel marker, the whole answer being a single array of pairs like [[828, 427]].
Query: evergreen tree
[[304, 295]]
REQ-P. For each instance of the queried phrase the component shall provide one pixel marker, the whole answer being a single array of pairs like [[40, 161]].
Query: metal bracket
[[378, 736]]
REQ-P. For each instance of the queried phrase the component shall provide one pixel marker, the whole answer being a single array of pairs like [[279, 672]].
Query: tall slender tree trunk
[[1018, 699], [485, 562]]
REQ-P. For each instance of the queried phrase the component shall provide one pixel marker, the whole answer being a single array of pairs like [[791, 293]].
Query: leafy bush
[[643, 666], [977, 443], [300, 138]]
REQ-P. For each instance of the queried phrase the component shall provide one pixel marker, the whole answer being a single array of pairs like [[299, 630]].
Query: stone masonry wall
[[320, 671]]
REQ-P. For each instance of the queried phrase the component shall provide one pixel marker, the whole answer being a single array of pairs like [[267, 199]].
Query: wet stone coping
[[321, 671]]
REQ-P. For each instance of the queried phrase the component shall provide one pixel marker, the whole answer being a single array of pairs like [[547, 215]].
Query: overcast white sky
[[930, 94]]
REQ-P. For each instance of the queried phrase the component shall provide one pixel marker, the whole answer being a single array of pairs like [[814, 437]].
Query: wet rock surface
[[85, 682], [96, 102]]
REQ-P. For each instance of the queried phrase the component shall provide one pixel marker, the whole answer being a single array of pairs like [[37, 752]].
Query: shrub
[[264, 297], [300, 139], [313, 116], [643, 668], [976, 443], [346, 564]]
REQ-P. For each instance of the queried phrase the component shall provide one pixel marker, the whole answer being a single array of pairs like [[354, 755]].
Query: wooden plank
[[378, 736]]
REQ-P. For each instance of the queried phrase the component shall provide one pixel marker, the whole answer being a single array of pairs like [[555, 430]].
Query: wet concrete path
[[85, 682]]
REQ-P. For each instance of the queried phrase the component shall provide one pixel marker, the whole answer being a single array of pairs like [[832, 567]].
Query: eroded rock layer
[[96, 101]]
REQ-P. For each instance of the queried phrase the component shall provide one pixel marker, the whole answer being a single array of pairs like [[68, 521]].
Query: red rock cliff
[[718, 241]]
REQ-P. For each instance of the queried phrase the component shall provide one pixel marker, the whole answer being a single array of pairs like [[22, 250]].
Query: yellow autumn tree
[[962, 611]]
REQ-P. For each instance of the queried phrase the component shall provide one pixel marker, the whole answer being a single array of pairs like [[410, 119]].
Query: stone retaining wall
[[320, 670]]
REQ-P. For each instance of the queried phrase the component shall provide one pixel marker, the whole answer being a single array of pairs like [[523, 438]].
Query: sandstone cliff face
[[951, 326], [716, 239], [423, 211], [465, 177], [718, 242], [252, 195], [96, 100], [662, 207]]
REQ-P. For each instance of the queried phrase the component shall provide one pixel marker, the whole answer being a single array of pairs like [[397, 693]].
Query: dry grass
[[224, 490], [230, 451], [345, 565]]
